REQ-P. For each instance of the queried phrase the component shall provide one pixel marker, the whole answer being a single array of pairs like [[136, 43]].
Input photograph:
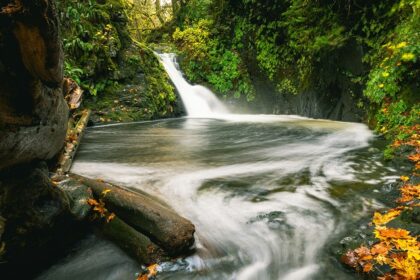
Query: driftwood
[[172, 232], [74, 136]]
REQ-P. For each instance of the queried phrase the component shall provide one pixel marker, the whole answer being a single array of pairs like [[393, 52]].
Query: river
[[268, 194]]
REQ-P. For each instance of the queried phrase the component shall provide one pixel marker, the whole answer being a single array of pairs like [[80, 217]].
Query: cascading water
[[199, 101], [266, 193]]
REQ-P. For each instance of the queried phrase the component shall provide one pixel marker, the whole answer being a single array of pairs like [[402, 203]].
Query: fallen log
[[74, 135], [132, 242], [172, 232]]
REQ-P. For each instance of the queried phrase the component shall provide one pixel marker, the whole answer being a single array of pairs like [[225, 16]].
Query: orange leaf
[[92, 202], [380, 248], [152, 269], [414, 157], [367, 267], [393, 233], [110, 217], [362, 251]]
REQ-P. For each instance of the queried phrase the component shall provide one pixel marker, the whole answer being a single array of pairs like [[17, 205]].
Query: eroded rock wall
[[33, 114], [33, 122]]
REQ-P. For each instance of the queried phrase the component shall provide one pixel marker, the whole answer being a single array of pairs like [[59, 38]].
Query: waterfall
[[198, 101]]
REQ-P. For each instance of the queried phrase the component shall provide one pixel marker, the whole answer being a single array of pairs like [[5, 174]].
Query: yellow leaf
[[379, 219], [381, 259], [407, 268], [404, 178], [104, 193], [408, 56]]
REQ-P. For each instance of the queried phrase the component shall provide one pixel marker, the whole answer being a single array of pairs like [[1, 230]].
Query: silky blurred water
[[267, 194]]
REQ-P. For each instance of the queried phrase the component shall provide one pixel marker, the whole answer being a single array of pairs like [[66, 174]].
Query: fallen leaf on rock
[[380, 249], [110, 217], [382, 219], [152, 271], [104, 193], [384, 233], [367, 267]]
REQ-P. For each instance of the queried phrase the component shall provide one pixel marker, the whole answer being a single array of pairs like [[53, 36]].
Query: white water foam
[[199, 101]]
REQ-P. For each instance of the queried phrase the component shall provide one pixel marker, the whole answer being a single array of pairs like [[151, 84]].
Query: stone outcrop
[[33, 122], [33, 113]]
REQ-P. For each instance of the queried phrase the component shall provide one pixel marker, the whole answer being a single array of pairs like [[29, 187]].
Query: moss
[[122, 80]]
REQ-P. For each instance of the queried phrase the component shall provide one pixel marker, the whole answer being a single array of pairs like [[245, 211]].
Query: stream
[[268, 194]]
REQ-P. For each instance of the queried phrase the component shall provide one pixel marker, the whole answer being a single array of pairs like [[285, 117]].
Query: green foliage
[[91, 41], [299, 44], [102, 57], [73, 72], [206, 60], [393, 79], [160, 95]]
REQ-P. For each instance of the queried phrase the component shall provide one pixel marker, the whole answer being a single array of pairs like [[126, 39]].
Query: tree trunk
[[159, 11]]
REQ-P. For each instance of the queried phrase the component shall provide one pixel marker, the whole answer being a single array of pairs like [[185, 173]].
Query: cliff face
[[33, 122]]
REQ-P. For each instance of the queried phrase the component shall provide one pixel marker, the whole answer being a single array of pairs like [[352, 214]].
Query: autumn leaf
[[380, 249], [408, 268], [105, 192], [409, 192], [414, 157], [350, 258], [152, 271], [379, 219], [384, 233], [362, 251], [404, 178], [367, 267], [92, 202], [381, 259], [110, 217]]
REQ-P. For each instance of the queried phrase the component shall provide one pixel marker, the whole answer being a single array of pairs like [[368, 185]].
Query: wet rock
[[37, 225], [33, 113], [338, 98], [79, 195]]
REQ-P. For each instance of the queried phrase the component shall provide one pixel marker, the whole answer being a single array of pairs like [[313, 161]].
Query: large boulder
[[34, 214], [33, 113]]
